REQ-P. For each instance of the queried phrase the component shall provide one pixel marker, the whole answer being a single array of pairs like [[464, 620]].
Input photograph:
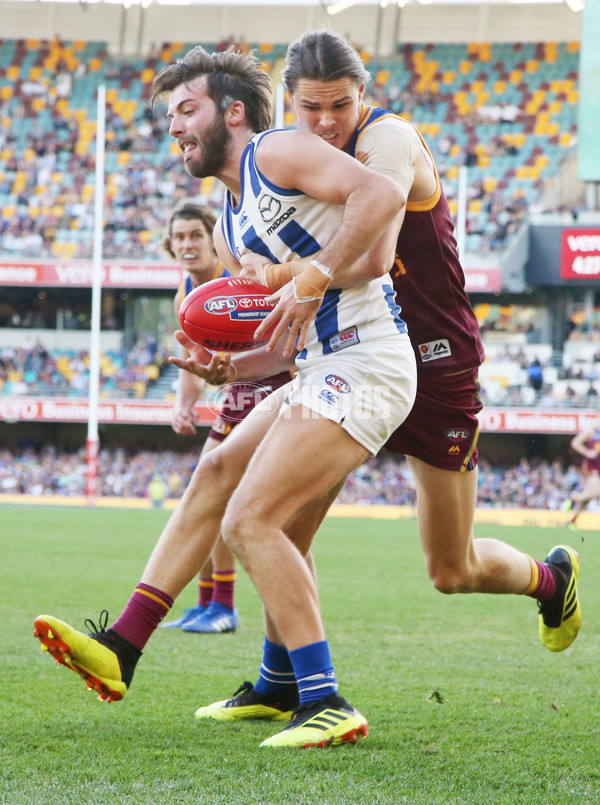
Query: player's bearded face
[[214, 141]]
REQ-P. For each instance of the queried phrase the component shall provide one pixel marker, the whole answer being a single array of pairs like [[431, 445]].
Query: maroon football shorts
[[240, 399], [442, 427]]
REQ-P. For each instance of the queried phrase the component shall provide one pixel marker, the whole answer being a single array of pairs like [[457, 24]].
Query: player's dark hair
[[322, 56], [230, 77], [189, 211]]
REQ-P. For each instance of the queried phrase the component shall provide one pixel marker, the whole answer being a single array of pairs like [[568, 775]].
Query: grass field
[[464, 703]]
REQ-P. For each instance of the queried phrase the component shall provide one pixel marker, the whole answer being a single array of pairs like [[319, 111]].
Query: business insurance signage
[[120, 412], [531, 420], [78, 274], [134, 412], [580, 254]]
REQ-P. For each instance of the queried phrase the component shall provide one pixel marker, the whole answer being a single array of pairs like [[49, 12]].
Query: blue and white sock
[[314, 671], [276, 670]]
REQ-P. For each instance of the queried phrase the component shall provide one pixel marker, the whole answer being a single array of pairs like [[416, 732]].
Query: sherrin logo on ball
[[223, 314]]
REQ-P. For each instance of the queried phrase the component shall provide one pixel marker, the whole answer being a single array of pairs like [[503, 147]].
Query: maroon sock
[[546, 587], [224, 587], [145, 610], [205, 591]]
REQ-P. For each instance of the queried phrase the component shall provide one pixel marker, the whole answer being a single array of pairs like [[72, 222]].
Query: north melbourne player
[[355, 384]]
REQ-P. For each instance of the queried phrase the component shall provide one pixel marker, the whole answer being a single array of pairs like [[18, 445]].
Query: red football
[[223, 314]]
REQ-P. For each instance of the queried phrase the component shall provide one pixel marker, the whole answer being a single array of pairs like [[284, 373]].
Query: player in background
[[587, 444], [325, 80], [189, 241], [356, 381]]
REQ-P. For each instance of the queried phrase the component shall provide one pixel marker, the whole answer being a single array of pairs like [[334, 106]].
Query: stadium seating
[[508, 111], [143, 372], [35, 371], [532, 483]]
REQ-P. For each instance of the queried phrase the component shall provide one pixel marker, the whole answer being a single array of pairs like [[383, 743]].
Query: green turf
[[464, 704]]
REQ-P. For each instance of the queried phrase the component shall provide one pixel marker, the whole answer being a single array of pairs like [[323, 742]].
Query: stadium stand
[[506, 111], [143, 372], [386, 480], [33, 370]]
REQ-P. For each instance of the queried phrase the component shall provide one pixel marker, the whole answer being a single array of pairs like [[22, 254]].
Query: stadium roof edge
[[332, 6]]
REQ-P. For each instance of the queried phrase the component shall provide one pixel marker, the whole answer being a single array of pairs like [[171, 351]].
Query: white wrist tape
[[321, 267]]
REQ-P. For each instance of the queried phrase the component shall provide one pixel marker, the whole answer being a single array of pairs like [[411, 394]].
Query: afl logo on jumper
[[269, 207], [434, 350]]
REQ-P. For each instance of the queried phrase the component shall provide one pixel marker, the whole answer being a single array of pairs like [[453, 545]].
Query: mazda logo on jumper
[[269, 207]]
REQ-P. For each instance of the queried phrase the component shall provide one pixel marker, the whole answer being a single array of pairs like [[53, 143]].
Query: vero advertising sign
[[580, 254]]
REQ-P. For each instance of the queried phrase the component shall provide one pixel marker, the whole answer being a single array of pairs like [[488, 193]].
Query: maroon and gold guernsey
[[240, 399], [591, 466], [428, 277]]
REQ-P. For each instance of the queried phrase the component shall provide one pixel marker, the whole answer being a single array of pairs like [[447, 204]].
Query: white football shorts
[[369, 388]]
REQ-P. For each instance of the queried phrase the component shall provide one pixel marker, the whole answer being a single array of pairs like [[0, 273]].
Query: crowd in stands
[[531, 484], [31, 370], [529, 381], [507, 112], [511, 376], [385, 480], [122, 473]]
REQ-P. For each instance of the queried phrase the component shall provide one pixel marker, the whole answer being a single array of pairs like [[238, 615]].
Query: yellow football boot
[[97, 658], [327, 722], [247, 704], [560, 618]]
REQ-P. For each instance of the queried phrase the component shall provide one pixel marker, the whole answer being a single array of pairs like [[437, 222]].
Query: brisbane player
[[587, 444], [325, 79]]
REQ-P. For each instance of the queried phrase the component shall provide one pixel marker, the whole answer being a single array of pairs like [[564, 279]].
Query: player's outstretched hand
[[184, 421], [215, 368], [292, 314]]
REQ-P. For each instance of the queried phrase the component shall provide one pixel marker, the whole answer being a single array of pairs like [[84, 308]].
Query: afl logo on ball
[[220, 304], [269, 207]]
